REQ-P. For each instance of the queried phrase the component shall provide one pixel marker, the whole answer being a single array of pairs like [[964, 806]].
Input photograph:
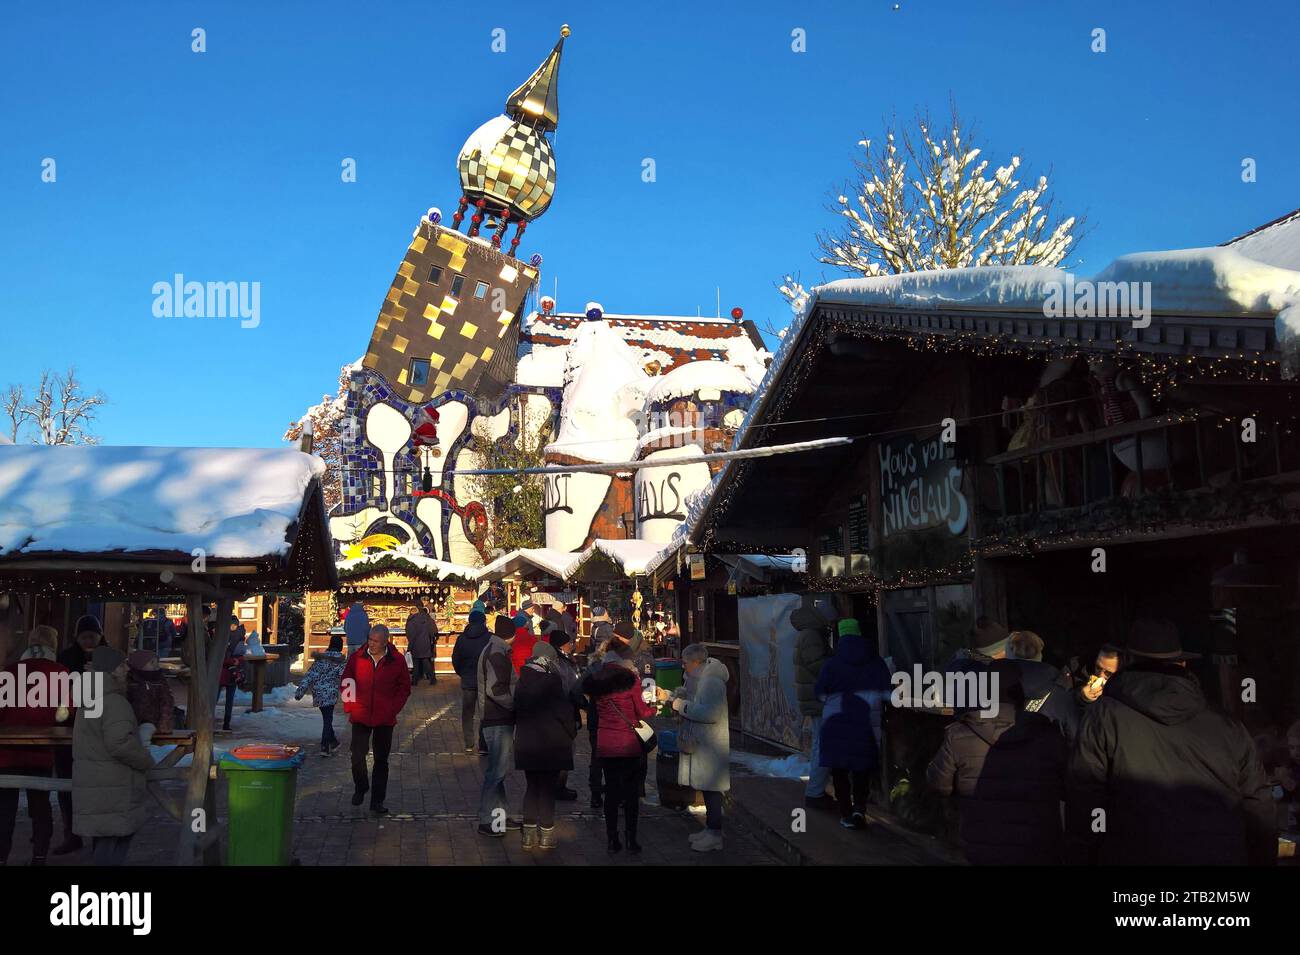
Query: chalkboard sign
[[859, 524]]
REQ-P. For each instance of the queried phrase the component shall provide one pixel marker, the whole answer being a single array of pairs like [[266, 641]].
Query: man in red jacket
[[374, 688]]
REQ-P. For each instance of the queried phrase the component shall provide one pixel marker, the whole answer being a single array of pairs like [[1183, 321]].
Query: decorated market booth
[[391, 585], [114, 525]]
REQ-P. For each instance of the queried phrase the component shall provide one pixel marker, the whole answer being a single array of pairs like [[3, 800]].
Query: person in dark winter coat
[[38, 658], [568, 671], [812, 649], [109, 762], [147, 690], [375, 687], [421, 643], [1179, 783], [602, 633], [87, 635], [464, 660], [496, 679], [356, 625], [853, 685], [616, 691], [322, 682], [232, 667], [1007, 770], [544, 732], [1047, 690]]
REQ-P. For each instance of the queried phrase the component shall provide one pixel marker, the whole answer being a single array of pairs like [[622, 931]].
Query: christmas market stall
[[104, 526], [1032, 450], [391, 585]]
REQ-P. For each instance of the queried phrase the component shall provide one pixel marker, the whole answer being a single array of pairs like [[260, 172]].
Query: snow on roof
[[440, 569], [542, 367], [227, 502], [631, 556], [1215, 280], [1274, 243], [685, 380], [4, 440], [604, 384]]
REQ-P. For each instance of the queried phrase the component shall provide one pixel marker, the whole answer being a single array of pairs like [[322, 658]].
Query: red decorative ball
[[737, 313]]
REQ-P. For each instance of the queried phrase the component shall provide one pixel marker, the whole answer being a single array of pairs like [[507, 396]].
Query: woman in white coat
[[704, 739]]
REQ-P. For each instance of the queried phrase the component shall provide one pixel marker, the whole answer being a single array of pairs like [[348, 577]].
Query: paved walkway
[[433, 798]]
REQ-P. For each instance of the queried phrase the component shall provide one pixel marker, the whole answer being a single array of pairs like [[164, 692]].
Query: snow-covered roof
[[685, 380], [439, 569], [1208, 281], [225, 502], [1274, 243], [632, 557], [1218, 281], [669, 340], [604, 386]]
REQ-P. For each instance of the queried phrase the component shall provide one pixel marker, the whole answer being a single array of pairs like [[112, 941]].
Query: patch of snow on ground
[[789, 767]]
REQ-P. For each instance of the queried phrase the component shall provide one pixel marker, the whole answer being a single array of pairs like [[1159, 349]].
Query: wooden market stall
[[390, 586], [209, 526]]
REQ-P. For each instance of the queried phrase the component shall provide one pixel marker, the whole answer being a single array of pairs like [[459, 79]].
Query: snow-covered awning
[[250, 514], [427, 567], [631, 558]]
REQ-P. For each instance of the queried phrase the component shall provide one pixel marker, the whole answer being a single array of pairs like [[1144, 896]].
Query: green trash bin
[[262, 781]]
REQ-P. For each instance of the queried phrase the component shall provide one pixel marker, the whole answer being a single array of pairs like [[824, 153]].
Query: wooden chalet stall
[[1056, 474], [208, 526], [390, 586]]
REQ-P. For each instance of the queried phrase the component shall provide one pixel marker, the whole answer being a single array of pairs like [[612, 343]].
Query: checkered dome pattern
[[518, 170]]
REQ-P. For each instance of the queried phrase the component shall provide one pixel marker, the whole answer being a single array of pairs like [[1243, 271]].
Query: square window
[[457, 284], [480, 290], [419, 375], [435, 275]]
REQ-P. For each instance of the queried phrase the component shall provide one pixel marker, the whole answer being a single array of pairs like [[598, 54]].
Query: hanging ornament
[[426, 427]]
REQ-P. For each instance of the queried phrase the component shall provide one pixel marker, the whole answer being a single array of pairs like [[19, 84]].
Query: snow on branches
[[59, 412], [924, 202], [326, 420]]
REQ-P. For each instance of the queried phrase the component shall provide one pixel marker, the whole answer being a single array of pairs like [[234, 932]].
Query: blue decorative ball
[[435, 215], [535, 260]]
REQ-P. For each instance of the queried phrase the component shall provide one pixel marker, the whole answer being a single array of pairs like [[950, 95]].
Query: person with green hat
[[853, 686]]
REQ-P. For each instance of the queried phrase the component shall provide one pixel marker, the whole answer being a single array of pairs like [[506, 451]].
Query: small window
[[456, 285], [435, 275], [480, 290], [419, 375], [376, 488]]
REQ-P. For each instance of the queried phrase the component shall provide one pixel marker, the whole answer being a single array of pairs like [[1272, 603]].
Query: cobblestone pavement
[[433, 799]]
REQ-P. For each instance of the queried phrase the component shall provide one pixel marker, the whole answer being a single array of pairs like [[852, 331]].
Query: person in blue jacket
[[357, 626], [854, 685]]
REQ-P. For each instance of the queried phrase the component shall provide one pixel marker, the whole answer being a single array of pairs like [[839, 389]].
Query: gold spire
[[537, 101]]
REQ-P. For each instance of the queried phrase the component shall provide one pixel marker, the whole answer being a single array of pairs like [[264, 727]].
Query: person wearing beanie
[[38, 658], [322, 681], [560, 641], [109, 762], [853, 686], [86, 635], [471, 643], [543, 744], [147, 691], [525, 638], [232, 667], [496, 678]]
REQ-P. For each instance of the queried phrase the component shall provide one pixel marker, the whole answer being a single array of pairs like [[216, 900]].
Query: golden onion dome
[[508, 161], [510, 164]]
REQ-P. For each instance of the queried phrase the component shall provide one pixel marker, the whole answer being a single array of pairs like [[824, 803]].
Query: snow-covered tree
[[326, 419], [927, 200], [59, 412]]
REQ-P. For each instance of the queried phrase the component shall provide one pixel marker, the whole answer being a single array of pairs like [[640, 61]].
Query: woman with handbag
[[623, 737], [704, 739]]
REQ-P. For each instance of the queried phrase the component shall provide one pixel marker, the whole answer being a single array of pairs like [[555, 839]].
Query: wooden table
[[47, 736], [259, 677]]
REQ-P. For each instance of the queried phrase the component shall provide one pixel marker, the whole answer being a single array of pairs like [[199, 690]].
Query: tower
[[450, 318], [443, 350]]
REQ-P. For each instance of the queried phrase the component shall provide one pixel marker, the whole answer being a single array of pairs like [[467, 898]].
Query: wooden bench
[[48, 736]]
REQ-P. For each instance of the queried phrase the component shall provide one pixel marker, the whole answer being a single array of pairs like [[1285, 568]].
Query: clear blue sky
[[225, 165]]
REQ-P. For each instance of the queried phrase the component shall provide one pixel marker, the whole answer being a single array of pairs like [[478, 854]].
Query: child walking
[[322, 681]]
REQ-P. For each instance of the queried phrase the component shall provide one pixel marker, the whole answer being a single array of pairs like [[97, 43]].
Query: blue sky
[[225, 166]]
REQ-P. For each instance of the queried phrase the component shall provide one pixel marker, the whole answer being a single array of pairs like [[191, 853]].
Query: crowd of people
[[1119, 762]]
